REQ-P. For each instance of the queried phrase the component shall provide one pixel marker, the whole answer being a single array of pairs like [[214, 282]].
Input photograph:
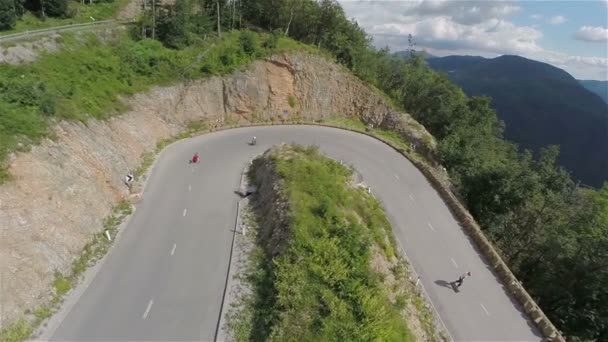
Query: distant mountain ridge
[[541, 105], [406, 54], [598, 87]]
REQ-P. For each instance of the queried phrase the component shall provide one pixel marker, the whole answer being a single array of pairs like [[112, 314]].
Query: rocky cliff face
[[64, 187]]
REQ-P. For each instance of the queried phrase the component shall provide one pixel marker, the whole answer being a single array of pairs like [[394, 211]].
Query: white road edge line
[[147, 309], [455, 264], [431, 226], [484, 309], [185, 211], [173, 249], [426, 294]]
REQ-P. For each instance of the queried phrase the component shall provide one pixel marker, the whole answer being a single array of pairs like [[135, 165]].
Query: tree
[[8, 16], [200, 21], [56, 8], [172, 24]]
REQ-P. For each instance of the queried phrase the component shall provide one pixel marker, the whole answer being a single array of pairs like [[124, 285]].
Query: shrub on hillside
[[249, 42], [8, 17]]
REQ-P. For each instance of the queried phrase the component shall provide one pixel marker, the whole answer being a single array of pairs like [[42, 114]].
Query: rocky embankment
[[63, 188]]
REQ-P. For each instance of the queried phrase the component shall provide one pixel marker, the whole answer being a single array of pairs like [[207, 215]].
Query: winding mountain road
[[164, 278]]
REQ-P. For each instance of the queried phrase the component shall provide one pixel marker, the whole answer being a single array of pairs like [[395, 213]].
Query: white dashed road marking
[[431, 226], [484, 309], [411, 197], [189, 187], [455, 264], [173, 249], [396, 176], [185, 211], [147, 309]]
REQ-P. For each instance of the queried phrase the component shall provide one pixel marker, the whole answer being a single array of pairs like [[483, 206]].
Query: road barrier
[[64, 28]]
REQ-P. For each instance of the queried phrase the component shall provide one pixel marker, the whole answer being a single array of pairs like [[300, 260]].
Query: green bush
[[8, 17], [62, 284], [249, 42], [272, 40]]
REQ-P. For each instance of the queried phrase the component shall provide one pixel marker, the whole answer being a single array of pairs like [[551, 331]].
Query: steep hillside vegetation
[[598, 87], [541, 105]]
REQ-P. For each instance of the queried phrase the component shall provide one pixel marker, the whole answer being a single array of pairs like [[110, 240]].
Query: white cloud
[[558, 19], [581, 67], [538, 16], [478, 28], [463, 12], [494, 35], [592, 34]]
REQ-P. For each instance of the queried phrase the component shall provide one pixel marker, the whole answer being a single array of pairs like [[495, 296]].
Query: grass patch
[[345, 122], [291, 101], [147, 161], [17, 332], [321, 287], [61, 284], [390, 136], [43, 313]]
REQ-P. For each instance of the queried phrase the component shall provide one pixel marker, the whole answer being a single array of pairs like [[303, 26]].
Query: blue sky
[[559, 36], [572, 35]]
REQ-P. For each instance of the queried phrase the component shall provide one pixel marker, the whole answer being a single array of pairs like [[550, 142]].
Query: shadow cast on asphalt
[[448, 284]]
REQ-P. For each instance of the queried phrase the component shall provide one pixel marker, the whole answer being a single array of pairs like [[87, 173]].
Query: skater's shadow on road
[[243, 194], [450, 285]]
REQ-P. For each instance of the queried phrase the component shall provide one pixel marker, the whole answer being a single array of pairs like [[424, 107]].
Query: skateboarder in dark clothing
[[461, 279]]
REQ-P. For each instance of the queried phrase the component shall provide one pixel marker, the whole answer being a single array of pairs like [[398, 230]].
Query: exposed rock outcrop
[[63, 188]]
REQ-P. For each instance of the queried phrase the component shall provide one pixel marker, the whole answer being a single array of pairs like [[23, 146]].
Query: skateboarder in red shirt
[[195, 158]]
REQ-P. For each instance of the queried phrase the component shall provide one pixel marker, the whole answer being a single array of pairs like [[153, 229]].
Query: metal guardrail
[[55, 29]]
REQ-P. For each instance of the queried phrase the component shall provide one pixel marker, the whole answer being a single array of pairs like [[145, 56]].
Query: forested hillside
[[541, 105]]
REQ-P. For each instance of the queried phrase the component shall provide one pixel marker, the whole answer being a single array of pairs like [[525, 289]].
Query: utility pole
[[219, 30]]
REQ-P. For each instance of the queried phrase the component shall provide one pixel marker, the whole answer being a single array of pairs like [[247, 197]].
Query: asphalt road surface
[[164, 279]]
